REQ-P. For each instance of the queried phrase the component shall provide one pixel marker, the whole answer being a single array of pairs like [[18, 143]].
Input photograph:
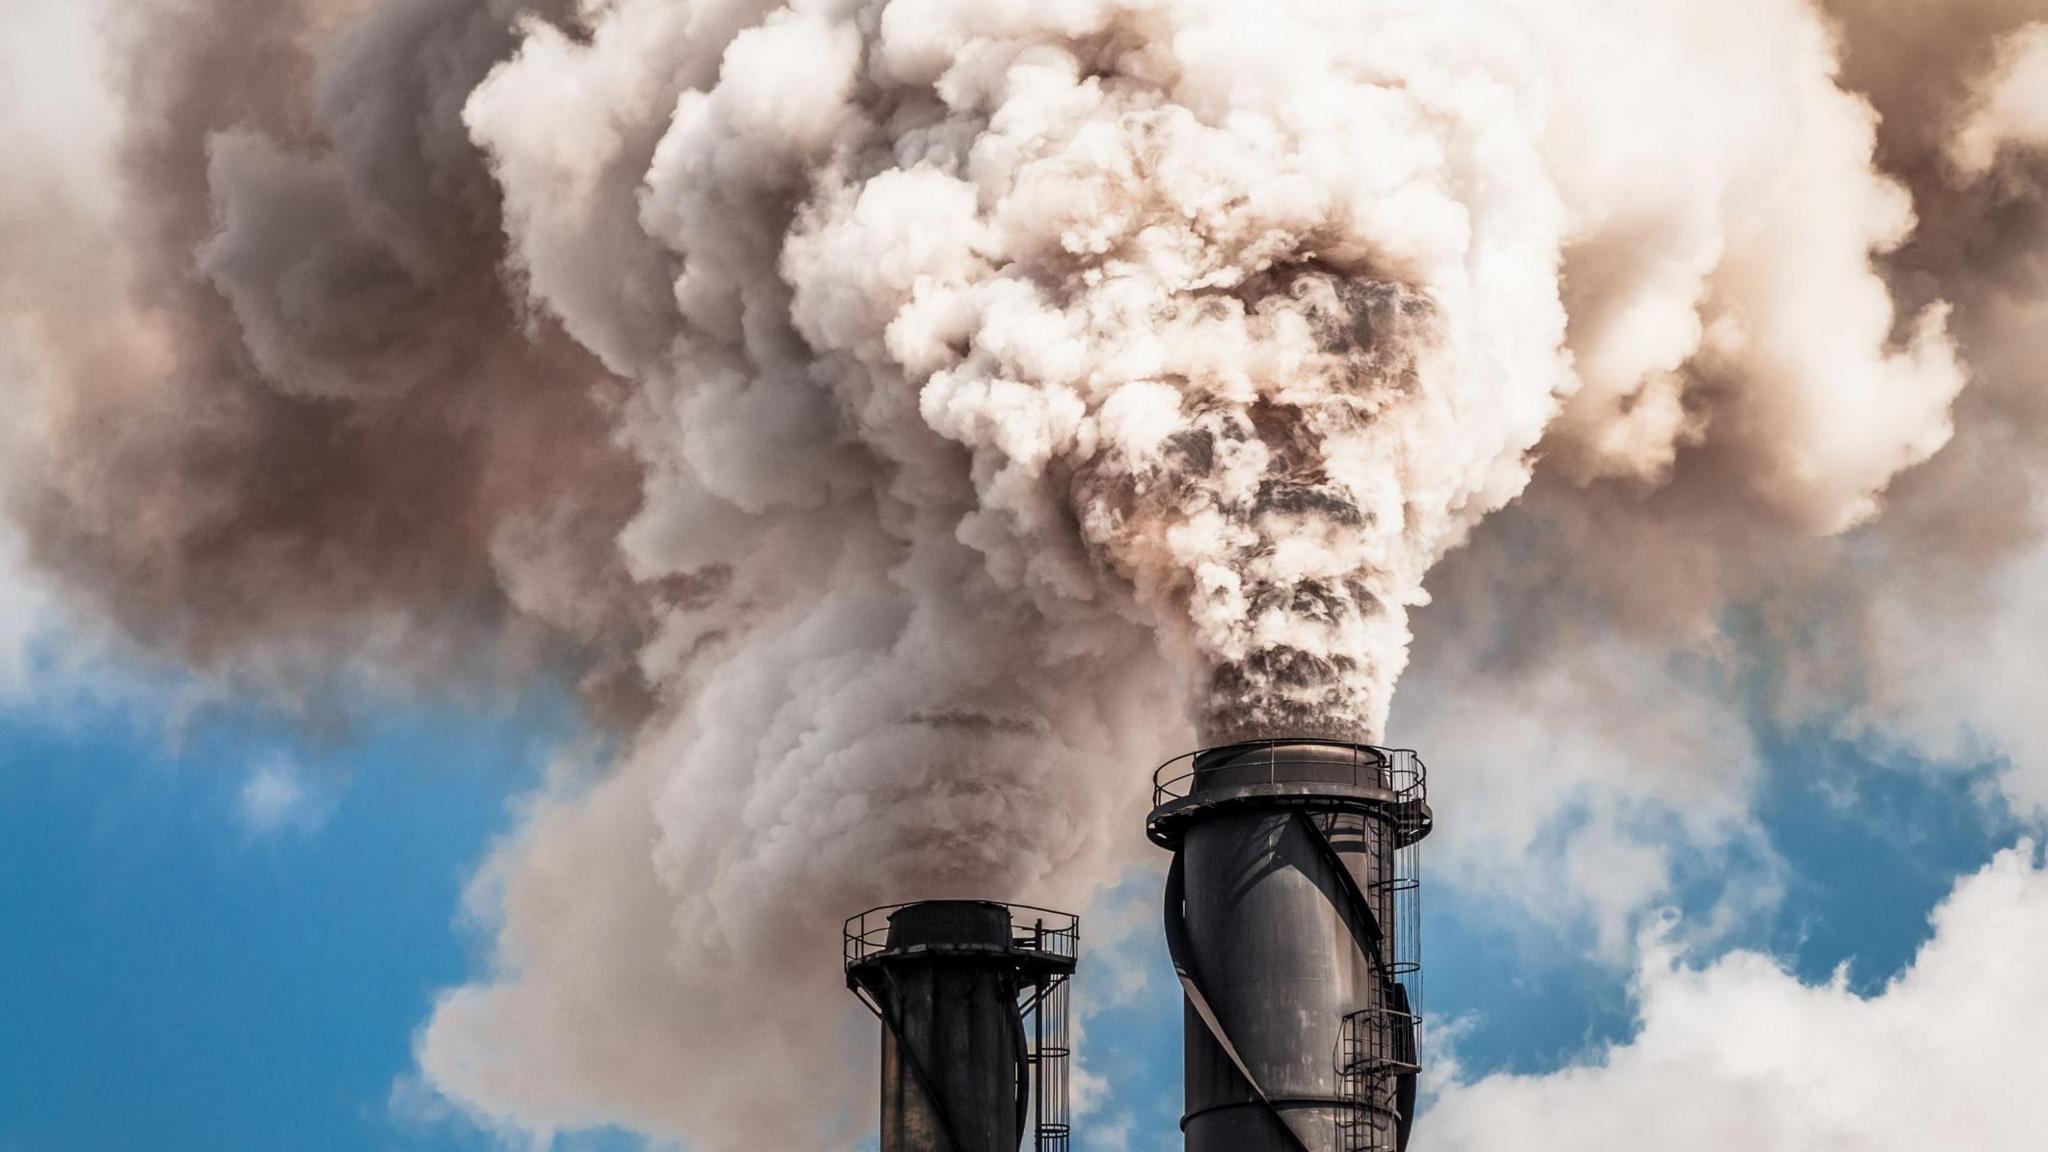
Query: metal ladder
[[1374, 1051], [1051, 1055]]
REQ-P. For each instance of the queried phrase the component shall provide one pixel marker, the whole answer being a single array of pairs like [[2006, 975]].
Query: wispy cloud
[[278, 798]]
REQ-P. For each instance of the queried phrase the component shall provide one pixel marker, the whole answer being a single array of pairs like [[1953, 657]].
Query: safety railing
[[1396, 770], [1379, 1040], [1032, 929]]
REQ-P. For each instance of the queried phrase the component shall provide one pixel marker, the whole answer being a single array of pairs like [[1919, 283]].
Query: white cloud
[[1742, 1055], [278, 798], [1578, 793], [1961, 685]]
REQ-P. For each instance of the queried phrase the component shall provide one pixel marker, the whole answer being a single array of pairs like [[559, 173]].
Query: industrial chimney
[[1291, 916], [972, 996]]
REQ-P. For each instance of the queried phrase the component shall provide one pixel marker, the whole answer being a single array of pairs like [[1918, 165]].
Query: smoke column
[[906, 420]]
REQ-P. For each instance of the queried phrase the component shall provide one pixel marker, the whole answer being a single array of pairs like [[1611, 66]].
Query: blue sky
[[176, 976]]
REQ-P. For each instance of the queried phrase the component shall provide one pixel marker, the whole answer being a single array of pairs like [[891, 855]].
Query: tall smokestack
[[1291, 915], [972, 996]]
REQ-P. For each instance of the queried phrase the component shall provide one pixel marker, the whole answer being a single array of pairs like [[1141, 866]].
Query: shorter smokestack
[[1292, 917], [972, 996]]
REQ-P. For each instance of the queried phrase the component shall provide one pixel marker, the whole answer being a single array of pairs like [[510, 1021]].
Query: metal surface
[[1291, 918], [972, 999]]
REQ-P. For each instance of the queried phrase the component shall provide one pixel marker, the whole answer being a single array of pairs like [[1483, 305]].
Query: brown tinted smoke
[[306, 415]]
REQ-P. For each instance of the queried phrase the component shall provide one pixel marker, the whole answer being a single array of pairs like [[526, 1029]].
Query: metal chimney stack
[[1292, 917], [972, 996]]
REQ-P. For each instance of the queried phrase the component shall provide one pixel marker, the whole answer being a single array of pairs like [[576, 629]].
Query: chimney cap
[[1289, 772], [1035, 941]]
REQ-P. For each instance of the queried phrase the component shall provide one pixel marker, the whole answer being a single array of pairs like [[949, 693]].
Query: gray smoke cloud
[[908, 419], [296, 410]]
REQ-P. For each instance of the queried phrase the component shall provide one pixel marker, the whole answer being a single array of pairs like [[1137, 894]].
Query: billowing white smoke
[[1225, 320]]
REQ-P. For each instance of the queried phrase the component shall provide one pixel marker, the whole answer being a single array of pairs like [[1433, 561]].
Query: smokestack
[[972, 996], [1291, 915]]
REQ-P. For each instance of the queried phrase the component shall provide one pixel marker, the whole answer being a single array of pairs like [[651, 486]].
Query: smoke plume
[[298, 411], [906, 419]]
